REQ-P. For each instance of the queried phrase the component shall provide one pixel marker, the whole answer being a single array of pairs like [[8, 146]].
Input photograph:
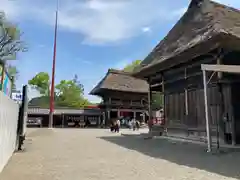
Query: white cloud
[[99, 21], [10, 8], [146, 29], [122, 64]]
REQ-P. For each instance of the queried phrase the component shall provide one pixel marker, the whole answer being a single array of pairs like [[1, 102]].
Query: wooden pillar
[[186, 95], [99, 121], [104, 119], [118, 113], [134, 115], [220, 133], [164, 101], [63, 122], [108, 116], [233, 123], [144, 117], [219, 61], [150, 102]]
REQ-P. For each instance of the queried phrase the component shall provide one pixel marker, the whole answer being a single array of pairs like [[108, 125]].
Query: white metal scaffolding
[[213, 68]]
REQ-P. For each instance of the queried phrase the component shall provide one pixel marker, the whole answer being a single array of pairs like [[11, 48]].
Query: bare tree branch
[[10, 42]]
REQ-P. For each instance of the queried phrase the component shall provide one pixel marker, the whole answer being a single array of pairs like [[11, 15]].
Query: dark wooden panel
[[175, 108]]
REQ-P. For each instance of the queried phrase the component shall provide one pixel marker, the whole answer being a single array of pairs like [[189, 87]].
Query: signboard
[[1, 72], [7, 84], [17, 96]]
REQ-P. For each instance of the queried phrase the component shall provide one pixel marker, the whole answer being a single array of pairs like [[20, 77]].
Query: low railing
[[8, 128]]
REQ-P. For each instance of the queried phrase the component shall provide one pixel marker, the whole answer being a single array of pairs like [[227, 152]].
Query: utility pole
[[52, 94]]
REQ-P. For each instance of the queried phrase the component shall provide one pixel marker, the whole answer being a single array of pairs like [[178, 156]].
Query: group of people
[[115, 125], [131, 124]]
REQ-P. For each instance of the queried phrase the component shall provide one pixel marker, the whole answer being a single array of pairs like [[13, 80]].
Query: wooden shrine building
[[208, 33], [122, 96]]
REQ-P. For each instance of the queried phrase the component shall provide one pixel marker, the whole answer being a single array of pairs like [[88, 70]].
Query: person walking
[[133, 124], [118, 124], [137, 125], [130, 124], [150, 124], [112, 128]]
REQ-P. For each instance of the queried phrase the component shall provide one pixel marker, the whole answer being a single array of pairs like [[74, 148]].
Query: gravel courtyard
[[97, 154]]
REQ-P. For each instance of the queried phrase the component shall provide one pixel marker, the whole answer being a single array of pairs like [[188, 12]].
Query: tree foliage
[[10, 45], [13, 73], [132, 66], [10, 41], [41, 82], [68, 93], [157, 98]]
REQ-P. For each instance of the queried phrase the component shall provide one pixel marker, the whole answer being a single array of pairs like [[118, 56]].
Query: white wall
[[8, 128]]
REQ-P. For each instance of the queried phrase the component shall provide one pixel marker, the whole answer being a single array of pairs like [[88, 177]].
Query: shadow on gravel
[[226, 163]]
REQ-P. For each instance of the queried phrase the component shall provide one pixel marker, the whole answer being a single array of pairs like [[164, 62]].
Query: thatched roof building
[[206, 25], [120, 81]]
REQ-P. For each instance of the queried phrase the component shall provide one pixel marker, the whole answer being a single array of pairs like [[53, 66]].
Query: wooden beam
[[164, 101], [219, 74], [156, 85], [183, 78], [186, 95], [150, 103], [221, 68]]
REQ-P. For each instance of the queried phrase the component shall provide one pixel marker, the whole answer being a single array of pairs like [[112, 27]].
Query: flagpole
[[52, 94]]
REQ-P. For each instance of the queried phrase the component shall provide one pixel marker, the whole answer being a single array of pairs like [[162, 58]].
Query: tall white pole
[[209, 140]]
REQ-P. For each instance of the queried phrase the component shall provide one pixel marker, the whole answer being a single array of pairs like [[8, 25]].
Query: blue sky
[[93, 35]]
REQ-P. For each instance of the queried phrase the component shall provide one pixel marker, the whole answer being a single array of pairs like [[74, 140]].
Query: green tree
[[156, 96], [10, 41], [70, 93], [41, 83], [157, 100], [13, 73], [132, 66]]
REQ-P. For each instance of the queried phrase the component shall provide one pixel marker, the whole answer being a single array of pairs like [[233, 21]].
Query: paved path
[[85, 154]]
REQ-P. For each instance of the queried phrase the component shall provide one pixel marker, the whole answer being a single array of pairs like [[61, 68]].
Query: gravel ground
[[89, 154]]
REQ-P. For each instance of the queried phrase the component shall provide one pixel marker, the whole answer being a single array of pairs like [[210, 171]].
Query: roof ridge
[[197, 3], [217, 24], [225, 6], [117, 71]]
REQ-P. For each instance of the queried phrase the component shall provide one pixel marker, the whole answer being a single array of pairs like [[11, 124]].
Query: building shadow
[[225, 163]]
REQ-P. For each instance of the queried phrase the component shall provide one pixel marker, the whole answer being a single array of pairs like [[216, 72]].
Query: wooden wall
[[176, 112], [188, 78]]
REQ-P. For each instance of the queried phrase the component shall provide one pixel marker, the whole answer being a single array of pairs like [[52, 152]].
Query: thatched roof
[[116, 80], [205, 23]]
